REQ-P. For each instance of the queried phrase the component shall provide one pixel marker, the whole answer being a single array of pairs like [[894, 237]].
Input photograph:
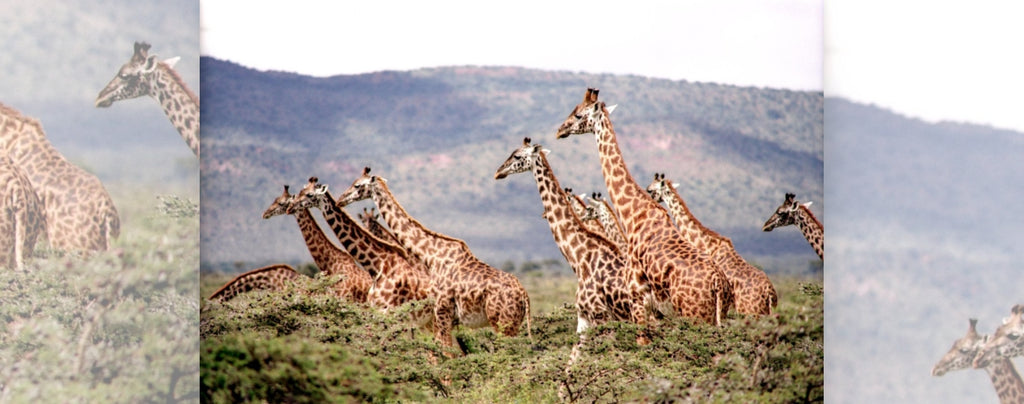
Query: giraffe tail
[[529, 325]]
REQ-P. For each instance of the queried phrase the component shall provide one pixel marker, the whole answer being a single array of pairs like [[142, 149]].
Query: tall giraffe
[[465, 288], [679, 276], [21, 215], [273, 277], [144, 75], [1007, 341], [792, 212], [356, 283], [80, 215], [606, 289], [752, 291], [1005, 378], [396, 281]]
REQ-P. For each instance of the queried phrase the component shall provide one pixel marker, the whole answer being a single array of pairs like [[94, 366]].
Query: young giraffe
[[601, 212], [465, 288], [1006, 342], [357, 283], [583, 211], [144, 75], [80, 215], [679, 276], [21, 215], [753, 292], [395, 280], [1005, 378], [274, 277], [792, 212], [606, 290]]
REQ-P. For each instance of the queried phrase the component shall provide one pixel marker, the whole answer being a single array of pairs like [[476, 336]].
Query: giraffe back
[[271, 278], [80, 215]]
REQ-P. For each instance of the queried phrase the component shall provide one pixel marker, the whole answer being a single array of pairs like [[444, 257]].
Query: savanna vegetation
[[117, 326], [296, 347]]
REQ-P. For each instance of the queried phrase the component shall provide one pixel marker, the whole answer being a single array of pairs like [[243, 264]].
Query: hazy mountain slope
[[922, 236], [438, 135]]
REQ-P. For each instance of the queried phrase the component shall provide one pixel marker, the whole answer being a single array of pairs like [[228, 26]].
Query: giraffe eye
[[578, 116]]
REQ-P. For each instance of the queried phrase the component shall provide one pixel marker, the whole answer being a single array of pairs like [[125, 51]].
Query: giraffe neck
[[612, 227], [325, 253], [368, 250], [436, 250], [179, 104], [1006, 381], [632, 202], [566, 226], [690, 227], [812, 230]]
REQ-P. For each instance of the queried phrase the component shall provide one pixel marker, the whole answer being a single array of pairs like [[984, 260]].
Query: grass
[[118, 326], [294, 347]]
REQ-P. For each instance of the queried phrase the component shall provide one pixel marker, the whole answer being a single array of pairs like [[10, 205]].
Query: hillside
[[438, 135], [918, 243]]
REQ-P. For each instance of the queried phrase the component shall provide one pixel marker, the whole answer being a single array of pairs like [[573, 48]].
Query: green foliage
[[117, 326], [295, 347]]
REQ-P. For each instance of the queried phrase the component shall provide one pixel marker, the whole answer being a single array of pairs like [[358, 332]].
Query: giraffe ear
[[321, 189], [170, 62], [545, 151], [150, 64], [675, 186], [612, 108], [807, 204]]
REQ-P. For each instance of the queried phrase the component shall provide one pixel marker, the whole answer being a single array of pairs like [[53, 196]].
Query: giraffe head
[[584, 116], [132, 80], [313, 195], [1006, 342], [660, 188], [522, 160], [361, 189], [962, 354], [785, 214], [279, 206], [595, 206]]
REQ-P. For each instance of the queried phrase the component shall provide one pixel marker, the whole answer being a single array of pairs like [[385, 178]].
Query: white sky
[[957, 61], [761, 43]]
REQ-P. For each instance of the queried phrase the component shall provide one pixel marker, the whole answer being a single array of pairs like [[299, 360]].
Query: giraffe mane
[[173, 74], [412, 219], [705, 229], [811, 215]]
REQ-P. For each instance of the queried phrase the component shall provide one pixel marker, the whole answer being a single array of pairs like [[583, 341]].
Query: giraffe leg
[[444, 317]]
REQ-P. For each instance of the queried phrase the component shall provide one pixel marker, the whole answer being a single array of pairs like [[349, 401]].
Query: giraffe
[[1006, 342], [606, 290], [465, 288], [753, 292], [584, 211], [682, 280], [357, 282], [396, 281], [80, 215], [21, 215], [601, 213], [796, 213], [273, 277], [144, 75], [1005, 378]]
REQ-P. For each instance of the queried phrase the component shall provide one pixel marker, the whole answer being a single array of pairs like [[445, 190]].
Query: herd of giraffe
[[991, 353], [633, 259], [45, 196]]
